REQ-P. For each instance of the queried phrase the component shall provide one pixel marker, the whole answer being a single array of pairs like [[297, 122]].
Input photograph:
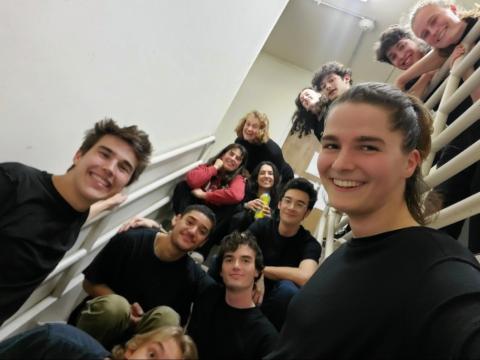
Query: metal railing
[[450, 95]]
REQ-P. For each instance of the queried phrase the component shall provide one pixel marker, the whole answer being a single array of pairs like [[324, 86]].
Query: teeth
[[346, 183], [101, 180]]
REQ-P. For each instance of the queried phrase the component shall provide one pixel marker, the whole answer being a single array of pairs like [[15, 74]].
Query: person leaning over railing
[[41, 214]]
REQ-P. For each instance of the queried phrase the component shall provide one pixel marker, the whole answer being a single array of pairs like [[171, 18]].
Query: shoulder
[[241, 141], [16, 170], [305, 235], [133, 236], [273, 146], [428, 246], [261, 225]]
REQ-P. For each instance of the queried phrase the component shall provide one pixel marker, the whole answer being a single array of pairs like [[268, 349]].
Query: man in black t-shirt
[[291, 253], [144, 279], [225, 323], [41, 214]]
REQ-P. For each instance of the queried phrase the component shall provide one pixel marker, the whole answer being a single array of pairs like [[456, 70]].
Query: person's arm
[[230, 195], [418, 89], [139, 222], [199, 176], [459, 51], [299, 275], [107, 204], [432, 61]]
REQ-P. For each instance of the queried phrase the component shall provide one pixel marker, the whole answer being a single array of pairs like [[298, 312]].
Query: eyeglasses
[[297, 205]]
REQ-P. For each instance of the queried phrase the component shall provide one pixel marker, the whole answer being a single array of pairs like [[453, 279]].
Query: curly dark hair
[[392, 35], [332, 67]]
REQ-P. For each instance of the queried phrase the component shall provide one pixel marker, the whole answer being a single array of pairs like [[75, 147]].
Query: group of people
[[396, 290], [419, 53]]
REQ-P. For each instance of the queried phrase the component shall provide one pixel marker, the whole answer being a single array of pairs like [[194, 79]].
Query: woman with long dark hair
[[261, 195], [310, 113]]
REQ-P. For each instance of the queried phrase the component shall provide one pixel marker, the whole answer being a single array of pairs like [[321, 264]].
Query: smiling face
[[232, 159], [190, 230], [333, 85], [251, 129], [166, 349], [238, 269], [293, 207], [361, 163], [104, 170], [438, 26], [309, 98], [404, 53], [266, 177]]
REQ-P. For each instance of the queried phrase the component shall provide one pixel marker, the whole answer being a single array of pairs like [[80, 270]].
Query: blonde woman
[[252, 133]]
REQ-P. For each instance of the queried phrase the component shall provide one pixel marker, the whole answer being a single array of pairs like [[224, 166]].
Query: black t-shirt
[[37, 227], [268, 151], [223, 332], [129, 266], [406, 294], [280, 250]]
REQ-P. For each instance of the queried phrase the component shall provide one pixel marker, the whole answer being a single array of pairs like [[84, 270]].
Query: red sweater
[[205, 177]]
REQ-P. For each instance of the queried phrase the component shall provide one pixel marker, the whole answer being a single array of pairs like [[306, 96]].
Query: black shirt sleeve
[[452, 326], [7, 191], [312, 249]]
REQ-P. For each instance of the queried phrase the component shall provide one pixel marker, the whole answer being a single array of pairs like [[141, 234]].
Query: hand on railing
[[107, 204], [459, 51], [139, 222]]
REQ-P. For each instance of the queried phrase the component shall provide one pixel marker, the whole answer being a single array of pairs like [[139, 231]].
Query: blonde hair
[[461, 12], [185, 342], [421, 4], [263, 135]]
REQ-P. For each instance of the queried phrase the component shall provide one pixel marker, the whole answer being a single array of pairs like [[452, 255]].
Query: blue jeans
[[52, 341], [277, 297]]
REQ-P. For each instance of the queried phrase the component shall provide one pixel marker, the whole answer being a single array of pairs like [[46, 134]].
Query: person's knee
[[158, 317], [166, 315], [111, 306], [288, 288]]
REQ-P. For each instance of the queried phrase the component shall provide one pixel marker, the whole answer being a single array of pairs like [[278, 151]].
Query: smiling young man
[[41, 214], [332, 80], [291, 253], [144, 279], [225, 323], [399, 48]]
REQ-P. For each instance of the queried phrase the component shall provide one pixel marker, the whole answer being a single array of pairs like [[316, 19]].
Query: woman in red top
[[219, 184]]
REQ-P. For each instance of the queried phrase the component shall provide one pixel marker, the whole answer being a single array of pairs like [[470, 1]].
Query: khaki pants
[[107, 319]]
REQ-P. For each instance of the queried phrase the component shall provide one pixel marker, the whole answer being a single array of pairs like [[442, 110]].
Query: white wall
[[170, 66], [270, 87]]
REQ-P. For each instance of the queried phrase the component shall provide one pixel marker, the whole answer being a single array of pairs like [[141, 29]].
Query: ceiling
[[312, 32]]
